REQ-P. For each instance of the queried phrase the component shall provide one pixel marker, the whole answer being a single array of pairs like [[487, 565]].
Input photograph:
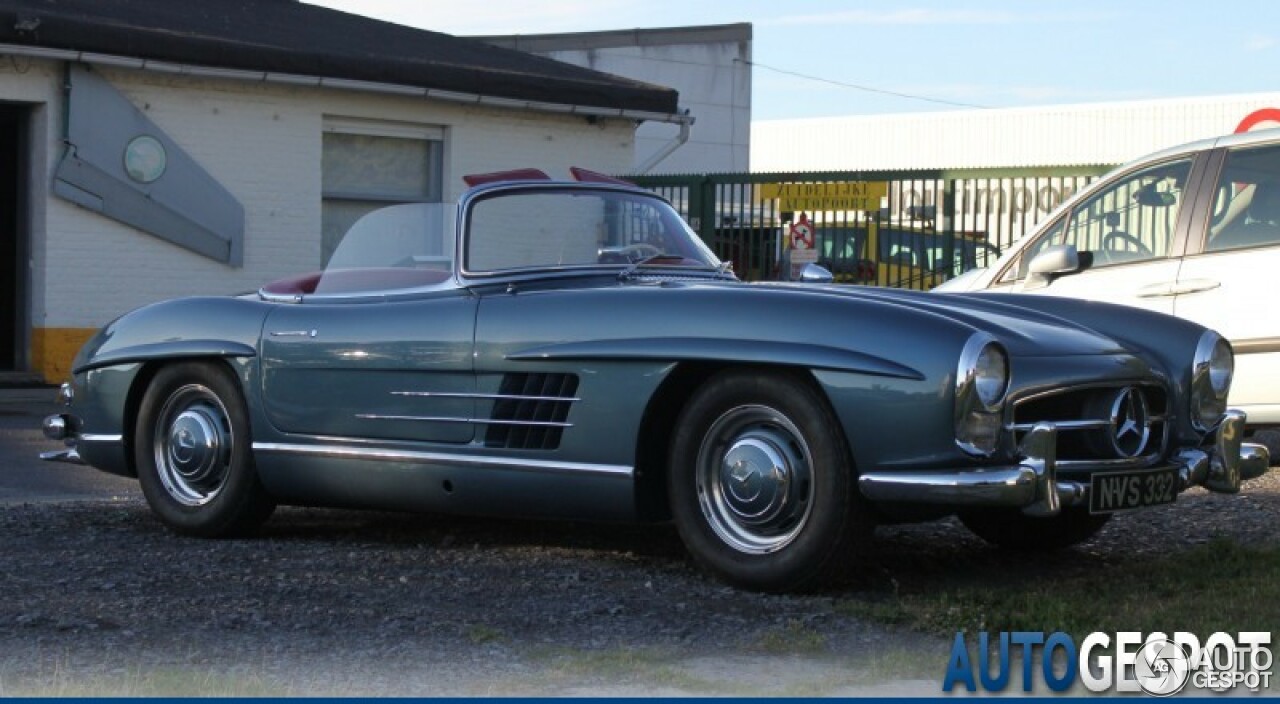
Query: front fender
[[110, 372], [185, 327]]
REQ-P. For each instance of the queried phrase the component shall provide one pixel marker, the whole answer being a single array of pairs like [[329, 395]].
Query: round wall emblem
[[145, 159]]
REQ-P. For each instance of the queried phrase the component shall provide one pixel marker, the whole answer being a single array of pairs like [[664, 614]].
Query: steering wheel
[[1108, 242], [638, 251]]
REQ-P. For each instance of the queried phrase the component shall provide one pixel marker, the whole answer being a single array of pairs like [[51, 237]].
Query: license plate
[[1123, 491]]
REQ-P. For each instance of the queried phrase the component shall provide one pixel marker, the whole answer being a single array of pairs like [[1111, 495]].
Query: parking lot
[[101, 599]]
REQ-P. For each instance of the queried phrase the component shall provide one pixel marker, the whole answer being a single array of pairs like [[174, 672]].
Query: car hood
[[1021, 327]]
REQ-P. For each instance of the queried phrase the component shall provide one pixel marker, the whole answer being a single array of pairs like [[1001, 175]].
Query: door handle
[[1160, 290], [1170, 288], [1195, 286], [295, 333]]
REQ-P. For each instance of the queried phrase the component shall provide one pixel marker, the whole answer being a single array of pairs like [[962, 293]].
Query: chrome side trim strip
[[484, 397], [88, 437], [387, 455], [1257, 345], [476, 421]]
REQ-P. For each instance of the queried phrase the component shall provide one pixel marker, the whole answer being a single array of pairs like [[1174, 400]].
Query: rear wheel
[[193, 454], [760, 482], [1017, 531]]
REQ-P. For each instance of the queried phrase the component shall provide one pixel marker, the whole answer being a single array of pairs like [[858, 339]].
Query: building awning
[[292, 38]]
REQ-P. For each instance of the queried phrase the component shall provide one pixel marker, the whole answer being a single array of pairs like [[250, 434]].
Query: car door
[[374, 369], [1129, 234], [1230, 280]]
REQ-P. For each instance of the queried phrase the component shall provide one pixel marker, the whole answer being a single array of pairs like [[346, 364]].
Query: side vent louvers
[[538, 400]]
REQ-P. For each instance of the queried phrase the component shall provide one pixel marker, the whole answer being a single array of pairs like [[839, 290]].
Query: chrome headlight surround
[[1211, 372], [982, 383]]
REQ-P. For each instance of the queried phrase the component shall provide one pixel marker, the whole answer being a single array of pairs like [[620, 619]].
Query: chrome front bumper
[[1033, 485], [60, 426]]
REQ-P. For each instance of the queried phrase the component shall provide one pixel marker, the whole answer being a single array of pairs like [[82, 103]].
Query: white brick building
[[301, 151], [709, 65]]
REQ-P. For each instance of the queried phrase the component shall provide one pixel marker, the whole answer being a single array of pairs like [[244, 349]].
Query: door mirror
[[1050, 262], [813, 274]]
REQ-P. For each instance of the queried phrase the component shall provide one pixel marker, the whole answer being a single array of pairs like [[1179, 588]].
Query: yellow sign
[[845, 195]]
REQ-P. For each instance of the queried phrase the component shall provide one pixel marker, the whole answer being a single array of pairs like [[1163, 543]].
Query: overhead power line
[[867, 89]]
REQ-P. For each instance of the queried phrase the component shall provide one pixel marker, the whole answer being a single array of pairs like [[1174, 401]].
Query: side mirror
[[1149, 196], [1052, 261], [813, 274]]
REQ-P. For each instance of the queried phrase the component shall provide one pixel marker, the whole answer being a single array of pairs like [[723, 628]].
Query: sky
[[817, 58]]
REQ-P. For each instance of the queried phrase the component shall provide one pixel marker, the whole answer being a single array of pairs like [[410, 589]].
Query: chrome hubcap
[[193, 444], [754, 479]]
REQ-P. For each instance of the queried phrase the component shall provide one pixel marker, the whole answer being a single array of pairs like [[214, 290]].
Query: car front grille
[[1112, 426]]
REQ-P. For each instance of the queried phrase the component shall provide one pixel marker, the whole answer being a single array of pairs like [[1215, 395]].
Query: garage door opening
[[14, 240]]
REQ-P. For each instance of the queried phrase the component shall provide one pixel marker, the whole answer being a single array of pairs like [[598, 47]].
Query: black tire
[[194, 455], [1270, 439], [761, 418], [1014, 530]]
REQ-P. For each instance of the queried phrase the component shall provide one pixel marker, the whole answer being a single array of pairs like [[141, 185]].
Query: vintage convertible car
[[570, 349]]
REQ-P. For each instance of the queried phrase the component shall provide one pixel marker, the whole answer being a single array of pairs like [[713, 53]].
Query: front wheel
[[760, 484], [1012, 529], [193, 455]]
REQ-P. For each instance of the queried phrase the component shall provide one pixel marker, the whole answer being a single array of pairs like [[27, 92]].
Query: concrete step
[[21, 380]]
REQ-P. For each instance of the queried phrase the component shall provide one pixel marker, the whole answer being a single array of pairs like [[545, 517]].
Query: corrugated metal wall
[[1063, 135]]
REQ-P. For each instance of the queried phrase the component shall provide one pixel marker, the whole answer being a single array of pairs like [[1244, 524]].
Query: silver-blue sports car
[[571, 349]]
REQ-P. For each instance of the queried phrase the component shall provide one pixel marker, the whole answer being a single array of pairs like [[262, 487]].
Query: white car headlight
[[982, 381], [1211, 372]]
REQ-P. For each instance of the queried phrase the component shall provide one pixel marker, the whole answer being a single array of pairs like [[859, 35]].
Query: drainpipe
[[673, 145]]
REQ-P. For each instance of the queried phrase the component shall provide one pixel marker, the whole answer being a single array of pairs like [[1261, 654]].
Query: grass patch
[[142, 682], [481, 634], [795, 638], [1221, 586]]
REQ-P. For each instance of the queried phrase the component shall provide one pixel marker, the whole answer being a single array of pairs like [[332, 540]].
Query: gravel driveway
[[100, 599]]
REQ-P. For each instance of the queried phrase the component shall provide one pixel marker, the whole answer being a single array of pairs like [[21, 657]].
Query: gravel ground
[[99, 599]]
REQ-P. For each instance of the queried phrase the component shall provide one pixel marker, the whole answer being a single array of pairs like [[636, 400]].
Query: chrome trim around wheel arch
[[490, 461]]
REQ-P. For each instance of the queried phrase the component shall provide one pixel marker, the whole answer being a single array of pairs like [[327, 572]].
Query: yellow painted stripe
[[53, 349]]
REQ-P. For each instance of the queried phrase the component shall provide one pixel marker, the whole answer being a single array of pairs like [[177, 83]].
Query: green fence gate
[[911, 229]]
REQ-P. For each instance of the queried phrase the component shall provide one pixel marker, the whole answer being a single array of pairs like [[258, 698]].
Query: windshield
[[565, 227], [397, 247]]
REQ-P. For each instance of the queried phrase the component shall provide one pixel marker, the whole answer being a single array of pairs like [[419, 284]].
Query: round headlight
[[1221, 366], [991, 375], [982, 382], [1211, 373]]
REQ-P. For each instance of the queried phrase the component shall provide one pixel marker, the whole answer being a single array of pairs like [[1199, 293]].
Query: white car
[[1193, 231]]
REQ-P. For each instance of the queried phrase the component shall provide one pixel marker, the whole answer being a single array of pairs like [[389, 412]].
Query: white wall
[[263, 142], [709, 66], [1056, 135], [714, 82]]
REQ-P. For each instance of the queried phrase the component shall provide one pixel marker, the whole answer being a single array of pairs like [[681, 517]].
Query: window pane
[[337, 216], [1246, 210], [364, 172], [1133, 219], [391, 168]]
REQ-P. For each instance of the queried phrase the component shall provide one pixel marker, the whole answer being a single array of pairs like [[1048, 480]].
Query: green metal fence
[[928, 227]]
